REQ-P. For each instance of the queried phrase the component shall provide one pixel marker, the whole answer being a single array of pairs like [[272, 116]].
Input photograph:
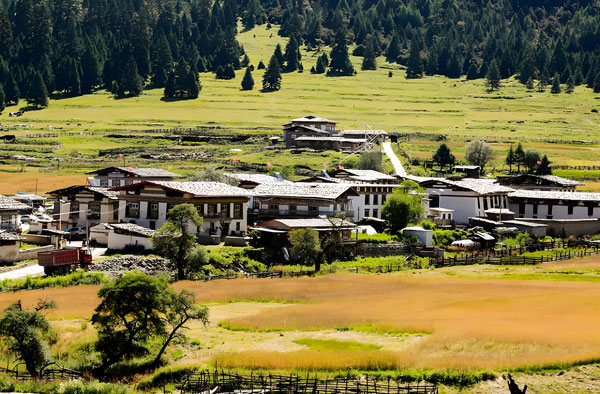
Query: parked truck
[[64, 261]]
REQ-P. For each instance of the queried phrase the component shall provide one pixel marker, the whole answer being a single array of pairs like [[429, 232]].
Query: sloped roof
[[106, 192], [312, 119], [479, 186], [133, 229], [9, 204], [149, 172], [366, 175], [363, 132], [325, 191], [255, 178], [339, 139], [307, 127], [315, 223], [197, 189], [555, 195], [6, 236], [565, 182]]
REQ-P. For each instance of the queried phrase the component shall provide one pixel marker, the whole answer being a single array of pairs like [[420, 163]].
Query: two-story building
[[223, 207], [10, 213], [539, 182], [122, 176], [297, 200], [81, 206]]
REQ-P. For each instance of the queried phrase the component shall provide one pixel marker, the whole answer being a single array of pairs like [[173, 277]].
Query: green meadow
[[431, 109]]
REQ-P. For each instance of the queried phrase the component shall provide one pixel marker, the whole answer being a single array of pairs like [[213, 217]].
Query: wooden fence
[[51, 371], [227, 382]]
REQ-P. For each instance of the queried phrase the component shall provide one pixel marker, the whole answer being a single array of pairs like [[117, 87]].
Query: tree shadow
[[28, 108], [175, 99]]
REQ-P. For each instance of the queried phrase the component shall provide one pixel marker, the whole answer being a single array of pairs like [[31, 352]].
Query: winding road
[[398, 168]]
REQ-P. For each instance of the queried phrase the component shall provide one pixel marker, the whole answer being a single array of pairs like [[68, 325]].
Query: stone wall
[[381, 250]]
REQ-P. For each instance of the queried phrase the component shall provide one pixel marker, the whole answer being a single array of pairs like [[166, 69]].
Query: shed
[[424, 236], [535, 229], [485, 240]]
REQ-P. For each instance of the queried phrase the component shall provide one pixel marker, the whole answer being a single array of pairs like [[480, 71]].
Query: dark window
[[93, 210], [273, 207], [521, 208], [375, 198], [200, 209], [570, 209], [367, 199], [550, 209], [375, 213], [367, 213], [292, 208], [115, 211], [313, 208], [225, 210], [152, 210], [383, 196], [212, 210], [535, 209], [485, 203], [590, 210], [152, 225], [133, 210], [237, 211], [74, 210]]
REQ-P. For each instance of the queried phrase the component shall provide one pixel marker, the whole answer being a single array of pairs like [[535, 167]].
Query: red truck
[[64, 261]]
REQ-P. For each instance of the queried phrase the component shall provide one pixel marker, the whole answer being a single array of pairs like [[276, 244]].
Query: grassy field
[[457, 109]]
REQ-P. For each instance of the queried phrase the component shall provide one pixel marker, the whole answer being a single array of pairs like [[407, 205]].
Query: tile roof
[[560, 180], [9, 204], [555, 195], [314, 223], [105, 191], [6, 236], [368, 175], [256, 178], [479, 186], [340, 139], [139, 171], [133, 228], [326, 191], [363, 132], [550, 178], [312, 118], [200, 189]]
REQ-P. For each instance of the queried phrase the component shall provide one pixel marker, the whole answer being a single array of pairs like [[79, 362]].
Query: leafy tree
[[371, 160], [443, 157], [402, 208], [135, 308], [173, 240], [414, 65], [510, 159], [37, 94], [493, 77], [24, 330], [340, 61], [519, 157], [541, 86], [479, 153], [369, 58], [272, 76], [305, 245], [247, 81], [556, 84], [530, 160], [544, 167]]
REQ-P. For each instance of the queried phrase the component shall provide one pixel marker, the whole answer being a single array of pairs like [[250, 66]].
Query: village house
[[223, 207], [122, 176], [321, 134], [372, 189], [298, 200], [84, 206], [10, 213], [467, 197], [539, 182], [536, 204]]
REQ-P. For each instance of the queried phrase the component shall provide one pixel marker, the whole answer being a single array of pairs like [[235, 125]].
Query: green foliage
[[183, 82], [402, 208], [165, 376], [340, 63], [306, 247], [272, 75], [24, 330], [556, 84], [446, 237], [369, 57], [479, 153], [427, 224], [37, 94], [371, 160], [380, 238], [493, 76], [443, 157], [414, 65], [79, 277], [210, 174], [248, 81], [93, 387]]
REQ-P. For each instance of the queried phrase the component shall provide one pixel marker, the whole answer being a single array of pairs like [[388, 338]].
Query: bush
[[380, 238], [93, 387], [427, 224], [446, 237], [79, 277], [166, 376]]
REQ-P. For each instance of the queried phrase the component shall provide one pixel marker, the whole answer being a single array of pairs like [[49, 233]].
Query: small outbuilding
[[424, 236]]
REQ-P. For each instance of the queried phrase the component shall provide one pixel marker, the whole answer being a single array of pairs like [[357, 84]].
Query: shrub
[[380, 238], [93, 387]]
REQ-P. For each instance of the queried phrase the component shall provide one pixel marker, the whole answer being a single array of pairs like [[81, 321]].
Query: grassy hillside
[[458, 109]]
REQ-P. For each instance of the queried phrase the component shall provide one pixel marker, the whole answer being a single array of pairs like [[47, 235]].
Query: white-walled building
[[222, 207], [554, 205], [539, 182], [81, 206], [122, 176], [10, 213]]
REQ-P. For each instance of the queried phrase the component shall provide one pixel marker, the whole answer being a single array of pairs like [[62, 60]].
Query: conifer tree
[[292, 55], [510, 159], [279, 55], [529, 84], [544, 167], [220, 73], [578, 77], [527, 69], [261, 65], [90, 70], [114, 88], [519, 156], [472, 71], [570, 85], [340, 61], [228, 72], [556, 84], [597, 84], [493, 76], [11, 91], [169, 91], [37, 94], [130, 83], [162, 60], [369, 59], [272, 76], [393, 50], [2, 99], [245, 61], [247, 81], [414, 64]]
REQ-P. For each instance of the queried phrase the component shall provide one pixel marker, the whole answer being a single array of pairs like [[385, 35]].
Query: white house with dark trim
[[122, 176]]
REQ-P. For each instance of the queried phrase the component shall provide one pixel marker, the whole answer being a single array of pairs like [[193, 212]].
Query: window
[[292, 208], [521, 208], [152, 225], [313, 208], [237, 226], [273, 207], [237, 211], [375, 199], [133, 210], [383, 198], [115, 211], [478, 203], [115, 182], [375, 213], [104, 182], [128, 182], [485, 203], [367, 199], [570, 209], [225, 210], [212, 210], [74, 211], [590, 210], [550, 209], [367, 213], [93, 210], [200, 209], [153, 210], [535, 209]]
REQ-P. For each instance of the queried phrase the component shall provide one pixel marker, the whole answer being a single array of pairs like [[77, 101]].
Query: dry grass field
[[456, 318]]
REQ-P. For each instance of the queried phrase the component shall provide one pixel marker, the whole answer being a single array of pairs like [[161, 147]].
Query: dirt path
[[389, 151]]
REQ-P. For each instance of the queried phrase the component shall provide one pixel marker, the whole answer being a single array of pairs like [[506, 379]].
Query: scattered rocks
[[147, 265]]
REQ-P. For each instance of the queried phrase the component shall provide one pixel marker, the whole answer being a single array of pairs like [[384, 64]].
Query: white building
[[222, 207], [81, 206], [554, 205], [122, 176]]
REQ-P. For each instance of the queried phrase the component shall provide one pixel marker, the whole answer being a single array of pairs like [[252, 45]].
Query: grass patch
[[331, 344], [234, 327], [79, 277], [381, 329]]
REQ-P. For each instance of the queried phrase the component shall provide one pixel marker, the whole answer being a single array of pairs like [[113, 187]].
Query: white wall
[[120, 241], [558, 211]]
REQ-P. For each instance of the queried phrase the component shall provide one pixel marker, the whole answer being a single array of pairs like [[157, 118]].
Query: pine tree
[[529, 84], [11, 91], [556, 84], [37, 94], [169, 91], [519, 157], [510, 159], [340, 61], [393, 50], [247, 81], [2, 99], [292, 55], [570, 85], [527, 69], [162, 60], [228, 72], [578, 77], [279, 55], [272, 75], [541, 86], [544, 167], [261, 65], [245, 61], [220, 73], [493, 76], [597, 84], [369, 59], [114, 88], [90, 68], [414, 64], [472, 71], [130, 83]]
